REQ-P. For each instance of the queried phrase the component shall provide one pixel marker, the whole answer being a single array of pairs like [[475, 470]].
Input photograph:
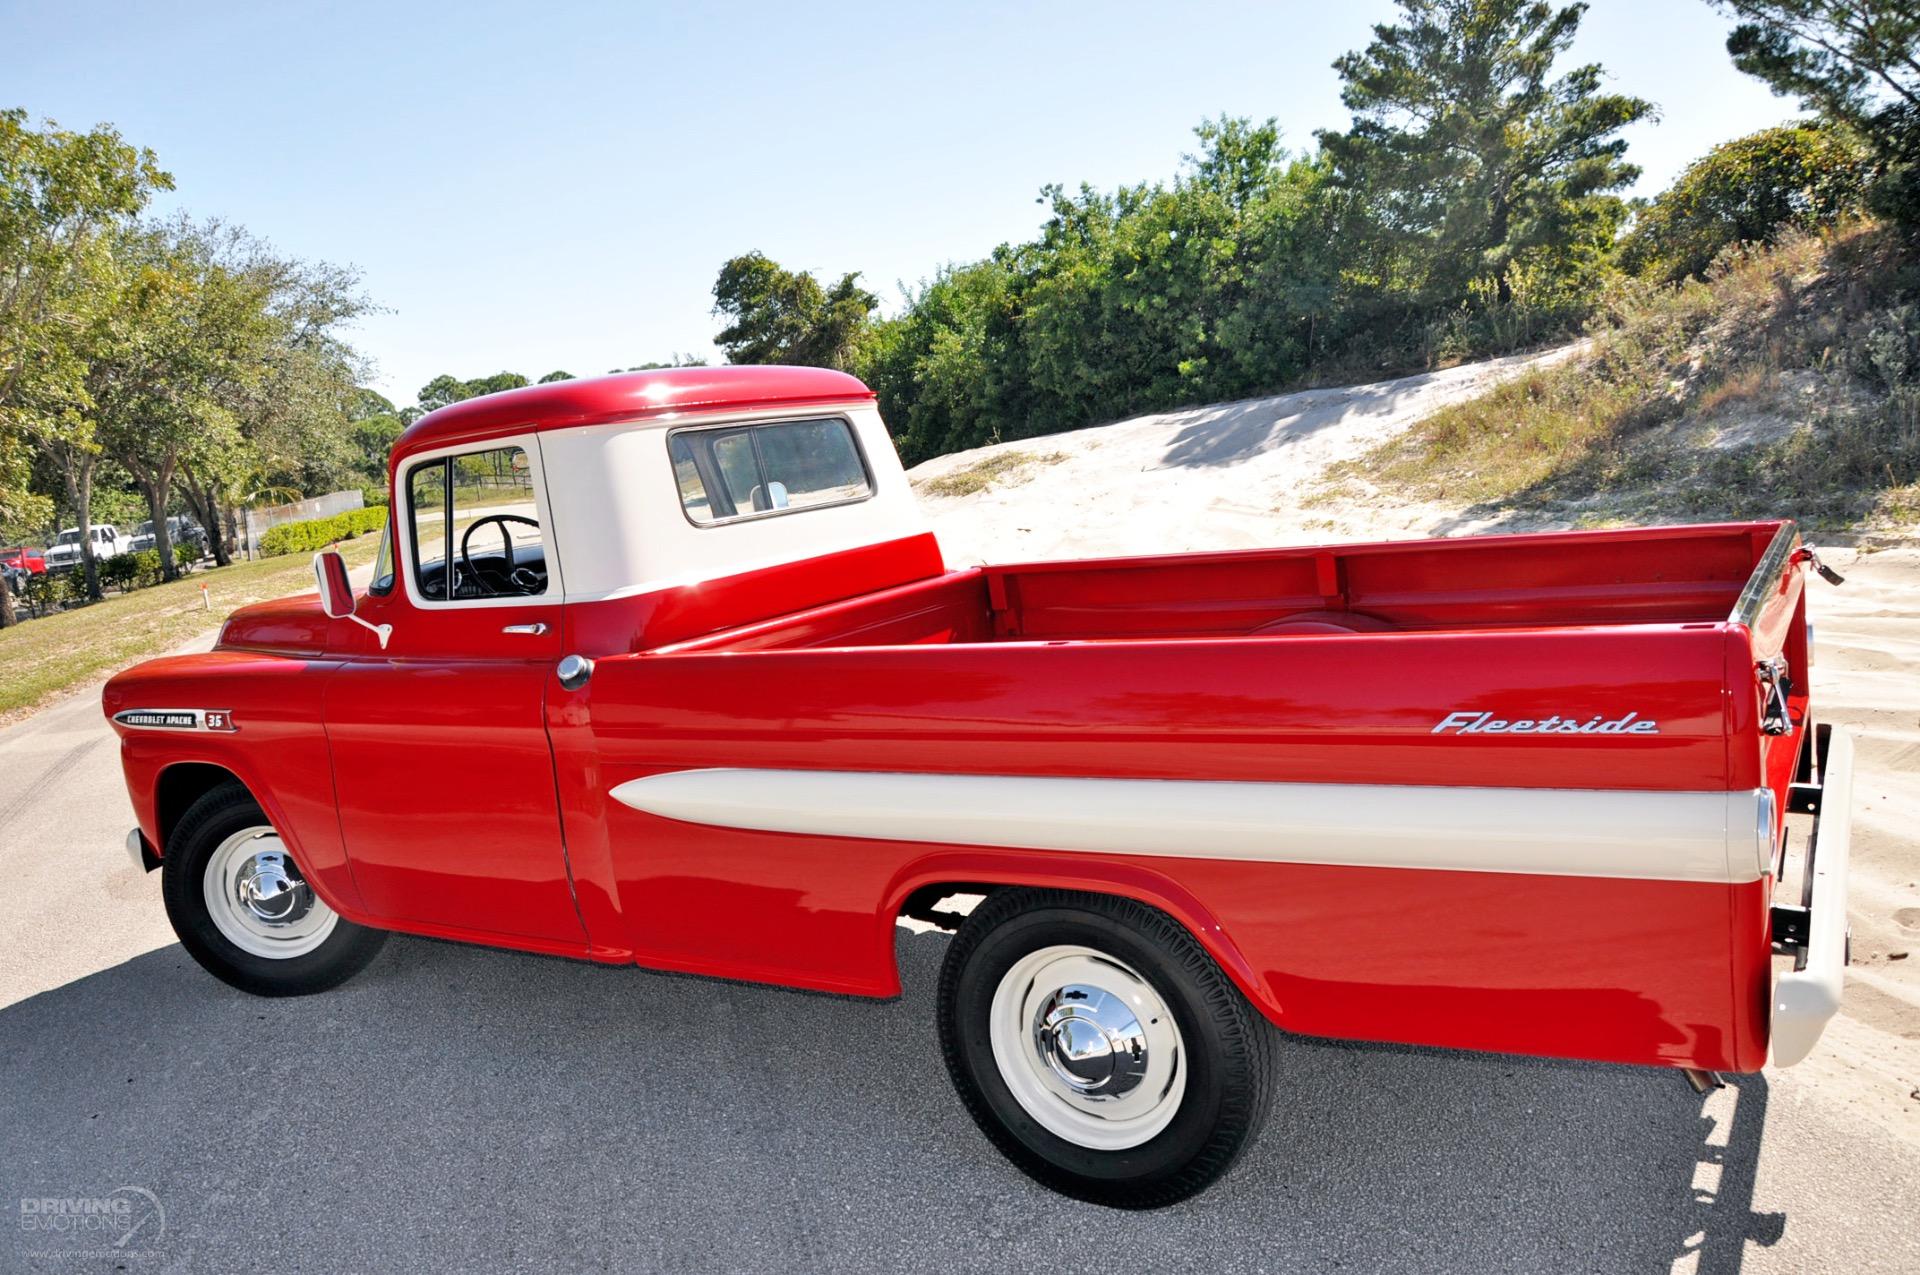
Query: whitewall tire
[[243, 909], [1100, 1048]]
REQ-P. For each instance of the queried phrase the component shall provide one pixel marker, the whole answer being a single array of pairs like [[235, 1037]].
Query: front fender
[[276, 746]]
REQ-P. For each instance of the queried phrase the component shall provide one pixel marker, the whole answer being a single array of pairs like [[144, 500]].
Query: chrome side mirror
[[336, 591], [336, 594]]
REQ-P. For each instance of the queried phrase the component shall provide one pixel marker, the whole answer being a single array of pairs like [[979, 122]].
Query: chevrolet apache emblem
[[219, 719]]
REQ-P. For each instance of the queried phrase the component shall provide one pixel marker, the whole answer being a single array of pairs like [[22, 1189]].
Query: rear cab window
[[729, 473]]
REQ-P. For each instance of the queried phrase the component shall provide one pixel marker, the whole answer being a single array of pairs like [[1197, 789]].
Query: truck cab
[[64, 553], [667, 669], [514, 545]]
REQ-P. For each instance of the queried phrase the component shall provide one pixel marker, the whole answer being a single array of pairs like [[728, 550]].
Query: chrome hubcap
[[1093, 1042], [271, 888], [1087, 1047], [259, 901]]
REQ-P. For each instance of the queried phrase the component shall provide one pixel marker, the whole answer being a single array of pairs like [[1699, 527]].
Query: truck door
[[443, 774]]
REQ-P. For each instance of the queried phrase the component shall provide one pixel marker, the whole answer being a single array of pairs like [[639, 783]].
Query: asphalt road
[[461, 1109]]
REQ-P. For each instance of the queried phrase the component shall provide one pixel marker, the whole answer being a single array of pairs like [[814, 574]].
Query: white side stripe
[[1667, 836]]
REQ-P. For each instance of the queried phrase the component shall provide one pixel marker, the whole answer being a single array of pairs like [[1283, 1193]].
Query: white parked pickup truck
[[64, 555]]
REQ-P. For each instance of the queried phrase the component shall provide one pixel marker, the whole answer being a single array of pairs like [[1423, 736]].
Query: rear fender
[[970, 871]]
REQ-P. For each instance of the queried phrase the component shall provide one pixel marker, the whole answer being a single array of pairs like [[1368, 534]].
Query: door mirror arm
[[336, 594]]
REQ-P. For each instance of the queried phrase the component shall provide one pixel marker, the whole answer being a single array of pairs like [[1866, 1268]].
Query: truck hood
[[293, 625]]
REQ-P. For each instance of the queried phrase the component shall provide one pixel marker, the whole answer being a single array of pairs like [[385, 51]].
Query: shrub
[[1795, 177], [47, 591], [123, 570], [312, 534], [1786, 383]]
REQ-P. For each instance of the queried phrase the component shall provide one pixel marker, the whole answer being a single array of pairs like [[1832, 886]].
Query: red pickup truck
[[666, 669]]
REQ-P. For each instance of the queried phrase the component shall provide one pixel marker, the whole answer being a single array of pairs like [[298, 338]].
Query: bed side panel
[[1626, 969]]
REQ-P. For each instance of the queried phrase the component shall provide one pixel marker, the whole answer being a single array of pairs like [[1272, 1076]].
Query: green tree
[[204, 346], [443, 389], [551, 377], [1140, 298], [1469, 154], [1855, 61], [60, 194], [1796, 176], [292, 415], [782, 316], [374, 425], [1472, 203], [950, 372], [1154, 296], [117, 322]]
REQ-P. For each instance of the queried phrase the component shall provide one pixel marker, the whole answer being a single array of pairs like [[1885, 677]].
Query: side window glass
[[475, 526], [427, 501]]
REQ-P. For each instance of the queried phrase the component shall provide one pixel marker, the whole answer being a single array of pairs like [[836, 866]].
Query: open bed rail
[[1672, 575]]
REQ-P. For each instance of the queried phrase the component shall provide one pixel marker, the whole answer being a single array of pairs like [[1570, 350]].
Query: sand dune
[[1229, 476]]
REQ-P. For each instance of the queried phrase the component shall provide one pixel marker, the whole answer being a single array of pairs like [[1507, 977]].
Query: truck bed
[[1665, 575], [1589, 677]]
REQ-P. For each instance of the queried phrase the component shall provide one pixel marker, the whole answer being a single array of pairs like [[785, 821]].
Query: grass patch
[[1748, 384], [982, 474], [42, 659], [1787, 383]]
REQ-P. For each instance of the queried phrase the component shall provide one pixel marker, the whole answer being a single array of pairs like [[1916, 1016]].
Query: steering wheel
[[530, 584]]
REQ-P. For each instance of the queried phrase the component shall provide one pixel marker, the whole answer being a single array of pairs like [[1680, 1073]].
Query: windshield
[[144, 529], [69, 537]]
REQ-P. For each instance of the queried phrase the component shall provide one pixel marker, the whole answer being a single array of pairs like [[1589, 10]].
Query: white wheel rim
[[1088, 1048], [259, 901]]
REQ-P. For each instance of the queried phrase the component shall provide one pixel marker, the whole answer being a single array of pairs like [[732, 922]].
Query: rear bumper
[[1808, 997]]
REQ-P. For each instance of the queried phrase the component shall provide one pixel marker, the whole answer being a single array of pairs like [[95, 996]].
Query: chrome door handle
[[535, 629]]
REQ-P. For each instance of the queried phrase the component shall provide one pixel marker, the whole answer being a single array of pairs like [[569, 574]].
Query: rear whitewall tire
[[1048, 1002], [1131, 1074], [244, 911]]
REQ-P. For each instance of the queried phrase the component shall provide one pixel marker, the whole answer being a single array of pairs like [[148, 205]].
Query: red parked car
[[666, 669], [24, 558], [19, 565]]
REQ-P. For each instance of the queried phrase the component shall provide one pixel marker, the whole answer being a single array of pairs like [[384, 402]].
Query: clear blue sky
[[531, 187]]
